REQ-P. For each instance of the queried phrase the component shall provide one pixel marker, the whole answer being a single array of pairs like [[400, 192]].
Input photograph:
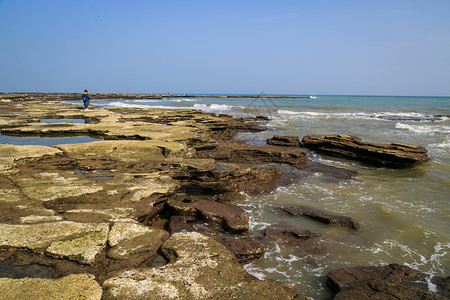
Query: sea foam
[[427, 129]]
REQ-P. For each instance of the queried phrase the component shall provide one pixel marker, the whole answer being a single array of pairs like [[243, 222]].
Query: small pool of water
[[47, 141], [58, 121], [101, 178]]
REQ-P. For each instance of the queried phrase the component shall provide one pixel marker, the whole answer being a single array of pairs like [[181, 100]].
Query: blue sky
[[289, 47]]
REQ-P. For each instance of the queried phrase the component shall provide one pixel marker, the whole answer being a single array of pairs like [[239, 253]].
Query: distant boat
[[312, 97]]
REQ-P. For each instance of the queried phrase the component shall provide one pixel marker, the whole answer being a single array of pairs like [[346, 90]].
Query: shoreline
[[161, 173], [76, 96]]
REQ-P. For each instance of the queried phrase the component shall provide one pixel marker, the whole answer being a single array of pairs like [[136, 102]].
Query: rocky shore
[[151, 210]]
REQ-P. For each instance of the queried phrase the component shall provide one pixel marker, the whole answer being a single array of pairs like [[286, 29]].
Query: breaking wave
[[427, 129]]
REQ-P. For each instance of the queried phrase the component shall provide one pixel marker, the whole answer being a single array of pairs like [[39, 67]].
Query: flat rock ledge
[[79, 286], [351, 147], [199, 268], [387, 282], [284, 140]]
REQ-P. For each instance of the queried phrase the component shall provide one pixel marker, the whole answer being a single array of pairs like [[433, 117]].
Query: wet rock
[[199, 268], [299, 237], [321, 216], [231, 217], [127, 239], [387, 282], [351, 147], [289, 234], [230, 177], [230, 197], [286, 141], [80, 286], [179, 224], [239, 151], [244, 249]]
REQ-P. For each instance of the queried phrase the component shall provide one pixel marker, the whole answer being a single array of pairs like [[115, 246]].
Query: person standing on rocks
[[86, 99]]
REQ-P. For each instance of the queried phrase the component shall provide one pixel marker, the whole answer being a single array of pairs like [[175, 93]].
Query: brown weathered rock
[[386, 282], [244, 249], [239, 151], [231, 217], [179, 224], [289, 234], [351, 147], [285, 140], [321, 216]]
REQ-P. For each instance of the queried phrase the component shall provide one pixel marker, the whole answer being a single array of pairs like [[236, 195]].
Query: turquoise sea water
[[404, 214]]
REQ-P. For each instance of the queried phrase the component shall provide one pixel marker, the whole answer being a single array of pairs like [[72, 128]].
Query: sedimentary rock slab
[[199, 268], [351, 147], [231, 217], [127, 239], [284, 140], [38, 237], [321, 216], [9, 154], [79, 286], [82, 249], [238, 151]]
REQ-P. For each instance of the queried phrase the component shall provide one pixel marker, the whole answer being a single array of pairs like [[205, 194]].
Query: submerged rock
[[80, 286], [301, 238], [199, 268], [351, 147], [289, 234], [321, 216], [387, 282]]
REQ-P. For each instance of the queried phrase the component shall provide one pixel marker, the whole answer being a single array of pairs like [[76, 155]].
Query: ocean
[[404, 213]]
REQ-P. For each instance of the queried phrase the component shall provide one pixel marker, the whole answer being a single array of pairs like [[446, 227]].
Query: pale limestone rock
[[76, 286], [83, 249], [112, 213], [200, 268], [32, 219], [125, 231], [127, 239], [38, 237], [9, 154], [51, 186]]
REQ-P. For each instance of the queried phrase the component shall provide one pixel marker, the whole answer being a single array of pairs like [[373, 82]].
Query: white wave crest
[[430, 129], [445, 145], [214, 107], [324, 115]]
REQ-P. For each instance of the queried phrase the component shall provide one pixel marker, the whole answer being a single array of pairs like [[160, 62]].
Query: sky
[[319, 47]]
